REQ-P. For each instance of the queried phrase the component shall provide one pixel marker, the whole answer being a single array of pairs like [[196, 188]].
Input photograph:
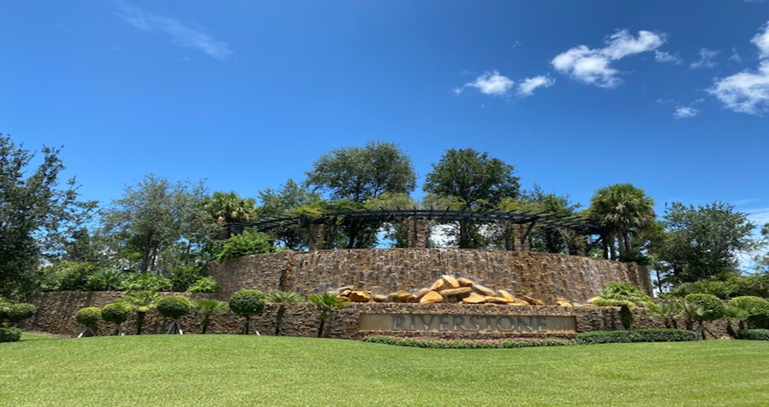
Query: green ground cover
[[218, 370]]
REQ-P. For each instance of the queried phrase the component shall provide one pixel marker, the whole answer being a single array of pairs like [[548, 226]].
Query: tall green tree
[[357, 174], [282, 203], [159, 225], [623, 211], [704, 242], [476, 180], [228, 207], [37, 215]]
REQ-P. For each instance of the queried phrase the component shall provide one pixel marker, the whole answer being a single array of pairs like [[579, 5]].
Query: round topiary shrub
[[115, 313], [174, 306], [712, 308], [88, 317], [247, 303], [756, 308], [10, 334], [20, 312]]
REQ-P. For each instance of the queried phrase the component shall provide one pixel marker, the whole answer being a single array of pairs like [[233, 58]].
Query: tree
[[326, 302], [624, 211], [476, 180], [247, 303], [282, 203], [358, 174], [159, 225], [703, 242], [282, 298], [623, 295], [36, 215], [227, 208], [208, 307], [142, 302]]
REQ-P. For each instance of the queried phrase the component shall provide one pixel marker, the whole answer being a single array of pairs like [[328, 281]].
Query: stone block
[[532, 301], [497, 300], [431, 298], [360, 296], [465, 282], [448, 292], [451, 281], [438, 285], [484, 290], [399, 296], [421, 292], [474, 299]]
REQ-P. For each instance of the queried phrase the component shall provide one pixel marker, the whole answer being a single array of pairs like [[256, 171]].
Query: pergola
[[416, 220]]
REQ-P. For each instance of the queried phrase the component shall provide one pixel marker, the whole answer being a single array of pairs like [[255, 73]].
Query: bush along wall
[[432, 343], [754, 334], [636, 335]]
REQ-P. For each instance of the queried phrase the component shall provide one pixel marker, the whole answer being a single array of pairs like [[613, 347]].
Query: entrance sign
[[545, 324]]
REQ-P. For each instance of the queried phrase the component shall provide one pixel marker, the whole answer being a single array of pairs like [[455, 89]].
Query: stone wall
[[56, 313], [541, 275]]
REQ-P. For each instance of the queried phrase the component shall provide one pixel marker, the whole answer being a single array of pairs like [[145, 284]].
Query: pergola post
[[318, 234], [417, 232]]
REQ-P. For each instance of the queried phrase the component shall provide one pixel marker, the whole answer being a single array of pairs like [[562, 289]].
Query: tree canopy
[[624, 211]]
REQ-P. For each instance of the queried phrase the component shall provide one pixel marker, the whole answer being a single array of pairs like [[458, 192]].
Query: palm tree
[[622, 210], [623, 295], [326, 302], [668, 310], [142, 302], [228, 207], [735, 312], [208, 307], [282, 298]]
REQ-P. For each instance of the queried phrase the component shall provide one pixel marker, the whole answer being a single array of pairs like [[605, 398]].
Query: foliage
[[204, 285], [431, 343], [636, 335], [477, 181], [141, 301], [157, 225], [88, 316], [108, 279], [668, 311], [720, 289], [20, 312], [283, 202], [624, 211], [36, 214], [756, 284], [326, 302], [9, 334], [208, 307], [116, 313], [358, 174], [284, 297], [146, 282], [750, 334], [756, 309], [228, 207], [174, 306], [245, 244], [73, 276], [711, 308], [623, 295], [703, 242], [247, 302], [184, 277]]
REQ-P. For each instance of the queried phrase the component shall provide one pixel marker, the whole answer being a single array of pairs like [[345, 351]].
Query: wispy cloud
[[706, 59], [735, 56], [593, 66], [182, 34], [528, 85], [663, 56], [489, 83], [685, 112], [747, 91]]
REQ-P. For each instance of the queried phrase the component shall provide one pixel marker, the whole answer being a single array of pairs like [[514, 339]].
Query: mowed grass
[[228, 370]]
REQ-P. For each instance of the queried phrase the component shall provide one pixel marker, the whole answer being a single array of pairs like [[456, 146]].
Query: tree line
[[158, 226]]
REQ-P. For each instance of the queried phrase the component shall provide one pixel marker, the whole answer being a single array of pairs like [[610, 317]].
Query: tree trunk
[[279, 319], [320, 328], [139, 321], [248, 324], [205, 323]]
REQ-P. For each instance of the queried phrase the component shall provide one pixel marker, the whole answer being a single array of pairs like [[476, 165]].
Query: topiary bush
[[247, 303], [115, 313], [88, 317], [20, 312], [756, 309], [245, 244], [754, 334], [636, 335], [204, 285], [175, 306], [10, 334], [711, 306]]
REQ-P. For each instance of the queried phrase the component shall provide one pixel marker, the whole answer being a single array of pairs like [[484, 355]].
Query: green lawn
[[221, 370]]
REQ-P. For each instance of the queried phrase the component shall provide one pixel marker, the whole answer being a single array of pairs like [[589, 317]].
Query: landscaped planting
[[636, 335], [754, 334], [432, 343]]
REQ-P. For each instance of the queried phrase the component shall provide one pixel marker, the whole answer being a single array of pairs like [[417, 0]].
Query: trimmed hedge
[[754, 334], [116, 313], [10, 334], [247, 302], [431, 343], [174, 306], [712, 306], [636, 335], [20, 312], [89, 316]]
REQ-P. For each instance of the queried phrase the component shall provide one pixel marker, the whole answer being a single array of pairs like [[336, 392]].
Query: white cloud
[[528, 85], [182, 34], [662, 56], [735, 56], [490, 83], [706, 59], [761, 40], [593, 66], [685, 112]]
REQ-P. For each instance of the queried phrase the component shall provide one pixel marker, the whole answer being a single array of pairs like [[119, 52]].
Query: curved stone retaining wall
[[541, 275]]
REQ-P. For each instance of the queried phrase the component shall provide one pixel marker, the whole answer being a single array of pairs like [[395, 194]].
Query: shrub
[[720, 289], [174, 306], [756, 309], [184, 277], [115, 313], [75, 276], [146, 282], [711, 308], [208, 307], [10, 334], [247, 303], [636, 335], [89, 316], [106, 280], [754, 334], [20, 312], [623, 295], [204, 285], [432, 343], [245, 244]]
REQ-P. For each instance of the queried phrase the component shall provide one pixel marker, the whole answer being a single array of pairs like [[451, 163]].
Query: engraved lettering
[[510, 323], [542, 324], [459, 323], [442, 322], [426, 323], [413, 325], [525, 322], [474, 322], [489, 323], [398, 321]]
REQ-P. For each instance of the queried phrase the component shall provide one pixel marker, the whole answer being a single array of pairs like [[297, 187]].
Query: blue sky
[[670, 96]]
